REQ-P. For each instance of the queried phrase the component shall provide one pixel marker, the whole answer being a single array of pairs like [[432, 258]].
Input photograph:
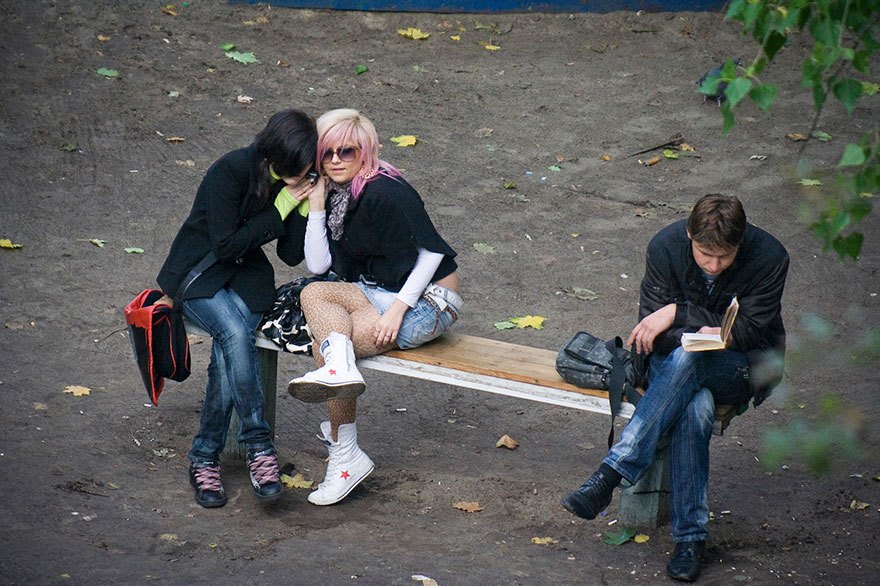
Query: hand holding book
[[697, 342]]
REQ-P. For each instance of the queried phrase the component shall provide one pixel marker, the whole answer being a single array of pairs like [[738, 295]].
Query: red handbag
[[158, 339]]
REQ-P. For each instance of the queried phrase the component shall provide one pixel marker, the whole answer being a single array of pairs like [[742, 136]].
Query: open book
[[695, 342]]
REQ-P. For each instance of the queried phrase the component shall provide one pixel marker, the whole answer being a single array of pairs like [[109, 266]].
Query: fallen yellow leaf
[[169, 9], [77, 391], [651, 161], [605, 158], [103, 38], [641, 538], [529, 321], [413, 33], [470, 507], [168, 537], [175, 139], [455, 37], [858, 505], [405, 140], [686, 147], [506, 442], [296, 481], [544, 540], [796, 136], [7, 243], [490, 47]]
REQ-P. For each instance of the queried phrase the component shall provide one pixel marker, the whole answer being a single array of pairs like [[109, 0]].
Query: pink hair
[[346, 126]]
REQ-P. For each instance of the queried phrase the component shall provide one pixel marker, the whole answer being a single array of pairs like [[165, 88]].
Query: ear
[[688, 233]]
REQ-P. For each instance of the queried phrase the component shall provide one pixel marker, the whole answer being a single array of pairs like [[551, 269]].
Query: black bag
[[158, 340], [285, 324], [158, 334], [591, 363]]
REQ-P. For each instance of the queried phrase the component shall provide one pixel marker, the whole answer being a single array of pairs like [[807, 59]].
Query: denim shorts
[[436, 310]]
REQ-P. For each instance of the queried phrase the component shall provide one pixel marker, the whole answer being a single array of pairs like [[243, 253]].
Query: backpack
[[591, 363]]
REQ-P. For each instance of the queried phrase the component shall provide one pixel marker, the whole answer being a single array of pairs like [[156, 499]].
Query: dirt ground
[[94, 488]]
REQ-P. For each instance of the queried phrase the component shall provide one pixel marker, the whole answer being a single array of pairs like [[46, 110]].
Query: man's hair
[[717, 221]]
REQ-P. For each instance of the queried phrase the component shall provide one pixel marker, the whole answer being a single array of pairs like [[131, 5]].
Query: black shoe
[[206, 481], [265, 477], [592, 498], [685, 562]]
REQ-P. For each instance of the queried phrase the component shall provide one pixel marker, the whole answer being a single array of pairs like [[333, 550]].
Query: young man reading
[[694, 268]]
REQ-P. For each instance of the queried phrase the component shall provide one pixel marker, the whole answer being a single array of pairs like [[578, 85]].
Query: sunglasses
[[345, 154]]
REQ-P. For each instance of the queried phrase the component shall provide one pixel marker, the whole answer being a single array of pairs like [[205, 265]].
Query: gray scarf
[[340, 197]]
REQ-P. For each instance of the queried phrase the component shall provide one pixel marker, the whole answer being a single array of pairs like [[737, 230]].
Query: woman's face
[[341, 163]]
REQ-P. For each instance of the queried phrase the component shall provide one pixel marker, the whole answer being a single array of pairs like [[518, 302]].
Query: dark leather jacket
[[756, 278], [220, 220]]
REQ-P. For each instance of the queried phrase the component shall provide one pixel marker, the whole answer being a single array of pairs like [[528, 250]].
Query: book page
[[697, 342]]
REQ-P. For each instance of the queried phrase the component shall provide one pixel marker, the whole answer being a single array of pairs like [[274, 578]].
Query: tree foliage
[[844, 38]]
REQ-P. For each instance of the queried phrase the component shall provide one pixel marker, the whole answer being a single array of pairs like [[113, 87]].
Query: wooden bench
[[503, 368]]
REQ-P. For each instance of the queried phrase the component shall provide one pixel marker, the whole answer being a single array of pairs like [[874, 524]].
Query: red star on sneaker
[[345, 474], [332, 371]]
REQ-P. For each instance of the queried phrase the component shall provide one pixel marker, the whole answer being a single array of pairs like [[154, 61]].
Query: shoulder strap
[[616, 382], [191, 277]]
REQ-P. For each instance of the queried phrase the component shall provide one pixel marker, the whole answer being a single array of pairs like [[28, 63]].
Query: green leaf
[[584, 294], [869, 89], [361, 69], [226, 47], [510, 185], [848, 91], [850, 245], [709, 86], [242, 57], [810, 182], [555, 168], [853, 156], [504, 325], [670, 154], [134, 250], [727, 114], [820, 135], [619, 537], [98, 242], [484, 248], [763, 95], [107, 72], [775, 41], [737, 89]]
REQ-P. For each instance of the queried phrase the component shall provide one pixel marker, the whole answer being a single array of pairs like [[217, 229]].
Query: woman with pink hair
[[399, 286]]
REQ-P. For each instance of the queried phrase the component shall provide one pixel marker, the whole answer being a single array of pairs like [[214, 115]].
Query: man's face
[[713, 261]]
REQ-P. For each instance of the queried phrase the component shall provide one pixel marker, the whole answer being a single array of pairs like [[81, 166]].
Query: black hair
[[288, 144]]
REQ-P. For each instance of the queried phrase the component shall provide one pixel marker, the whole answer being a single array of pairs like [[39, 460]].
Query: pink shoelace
[[208, 478], [264, 469]]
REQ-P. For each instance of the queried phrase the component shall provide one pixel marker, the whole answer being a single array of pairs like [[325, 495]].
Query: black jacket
[[220, 221], [756, 278], [384, 228]]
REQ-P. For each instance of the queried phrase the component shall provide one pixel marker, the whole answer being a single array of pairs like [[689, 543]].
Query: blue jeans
[[680, 401], [233, 376]]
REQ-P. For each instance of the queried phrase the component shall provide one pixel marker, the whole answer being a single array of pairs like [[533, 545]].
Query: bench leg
[[267, 361], [646, 503]]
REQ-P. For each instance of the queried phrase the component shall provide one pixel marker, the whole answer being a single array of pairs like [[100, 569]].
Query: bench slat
[[492, 358]]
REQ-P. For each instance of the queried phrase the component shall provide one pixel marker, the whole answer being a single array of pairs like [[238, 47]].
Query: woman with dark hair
[[248, 197], [399, 287]]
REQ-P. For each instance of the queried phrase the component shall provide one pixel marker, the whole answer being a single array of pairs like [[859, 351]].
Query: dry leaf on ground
[[505, 441], [77, 390], [468, 506]]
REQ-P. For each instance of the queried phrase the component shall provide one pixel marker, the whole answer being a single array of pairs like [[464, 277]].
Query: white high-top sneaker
[[347, 467], [339, 378]]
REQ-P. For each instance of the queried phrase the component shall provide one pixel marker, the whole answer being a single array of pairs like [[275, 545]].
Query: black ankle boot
[[686, 561], [593, 497]]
